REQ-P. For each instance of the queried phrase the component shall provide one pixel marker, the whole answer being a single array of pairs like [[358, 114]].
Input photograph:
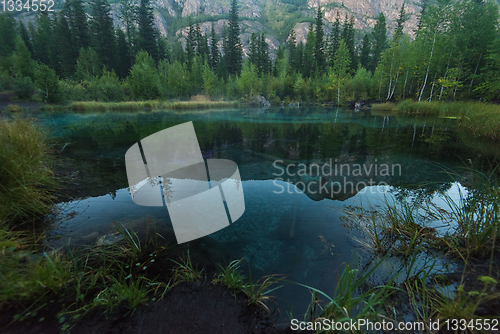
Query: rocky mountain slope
[[276, 18]]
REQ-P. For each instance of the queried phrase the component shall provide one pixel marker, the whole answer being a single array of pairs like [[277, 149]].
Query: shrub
[[25, 170], [13, 108], [25, 88]]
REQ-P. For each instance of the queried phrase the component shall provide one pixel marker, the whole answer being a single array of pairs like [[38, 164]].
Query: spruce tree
[[334, 40], [8, 34], [79, 25], [364, 57], [379, 40], [23, 32], [308, 68], [292, 47], [44, 42], [103, 38], [400, 24], [123, 65], [319, 47], [147, 31], [66, 45], [232, 51], [214, 49]]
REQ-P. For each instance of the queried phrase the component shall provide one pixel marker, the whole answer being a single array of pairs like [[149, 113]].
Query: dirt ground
[[187, 308], [6, 98]]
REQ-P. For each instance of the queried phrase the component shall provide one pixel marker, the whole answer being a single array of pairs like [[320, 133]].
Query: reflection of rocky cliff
[[97, 145]]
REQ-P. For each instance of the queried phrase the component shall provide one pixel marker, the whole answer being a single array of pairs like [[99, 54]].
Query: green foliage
[[144, 81], [248, 82], [25, 88], [88, 65], [231, 276], [341, 68], [47, 81], [186, 271], [7, 34], [23, 64], [26, 178], [210, 82]]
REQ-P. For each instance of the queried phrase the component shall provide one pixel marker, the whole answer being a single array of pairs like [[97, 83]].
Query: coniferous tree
[[299, 58], [123, 65], [190, 43], [379, 40], [23, 32], [24, 66], [79, 25], [319, 47], [334, 40], [163, 50], [400, 23], [214, 49], [8, 34], [365, 50], [67, 52], [308, 68], [292, 47], [44, 42], [232, 50], [147, 36], [128, 16], [264, 63], [103, 38]]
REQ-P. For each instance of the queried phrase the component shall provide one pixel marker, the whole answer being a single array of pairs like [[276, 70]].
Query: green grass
[[149, 105], [388, 106], [26, 179], [115, 106], [479, 119]]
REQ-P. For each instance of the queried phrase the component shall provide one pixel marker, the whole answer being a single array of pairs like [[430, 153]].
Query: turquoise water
[[303, 170]]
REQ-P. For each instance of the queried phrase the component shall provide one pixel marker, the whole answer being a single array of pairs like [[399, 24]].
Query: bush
[[6, 82], [25, 88], [48, 82], [13, 108], [144, 80], [25, 171]]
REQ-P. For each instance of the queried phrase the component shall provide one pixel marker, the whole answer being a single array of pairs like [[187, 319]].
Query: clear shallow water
[[301, 235]]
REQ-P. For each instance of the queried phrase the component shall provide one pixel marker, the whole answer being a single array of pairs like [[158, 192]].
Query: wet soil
[[187, 308]]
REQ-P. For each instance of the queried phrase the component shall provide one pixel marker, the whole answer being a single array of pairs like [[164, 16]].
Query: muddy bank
[[187, 308]]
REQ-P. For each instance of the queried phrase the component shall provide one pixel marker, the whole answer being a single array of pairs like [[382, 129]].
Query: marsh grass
[[349, 301], [258, 293], [26, 179], [387, 107], [149, 105], [231, 276], [115, 106], [186, 271], [479, 119]]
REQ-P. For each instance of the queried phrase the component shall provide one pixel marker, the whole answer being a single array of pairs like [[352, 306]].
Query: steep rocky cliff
[[277, 18]]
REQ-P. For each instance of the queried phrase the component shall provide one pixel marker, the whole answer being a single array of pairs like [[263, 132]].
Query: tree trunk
[[446, 74], [428, 67], [406, 80], [475, 71]]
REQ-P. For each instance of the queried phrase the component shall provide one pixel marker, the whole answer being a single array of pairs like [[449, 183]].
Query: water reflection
[[297, 234]]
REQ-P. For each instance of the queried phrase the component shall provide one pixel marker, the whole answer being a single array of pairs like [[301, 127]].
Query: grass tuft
[[26, 178]]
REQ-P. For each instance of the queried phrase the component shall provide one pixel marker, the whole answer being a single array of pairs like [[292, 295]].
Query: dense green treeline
[[69, 57]]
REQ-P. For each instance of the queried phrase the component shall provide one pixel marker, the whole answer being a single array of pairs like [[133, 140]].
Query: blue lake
[[305, 172]]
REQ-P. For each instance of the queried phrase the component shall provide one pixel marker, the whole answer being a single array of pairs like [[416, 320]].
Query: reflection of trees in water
[[420, 193], [167, 191]]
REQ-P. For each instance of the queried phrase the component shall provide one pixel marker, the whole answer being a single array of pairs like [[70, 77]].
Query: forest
[[71, 56]]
